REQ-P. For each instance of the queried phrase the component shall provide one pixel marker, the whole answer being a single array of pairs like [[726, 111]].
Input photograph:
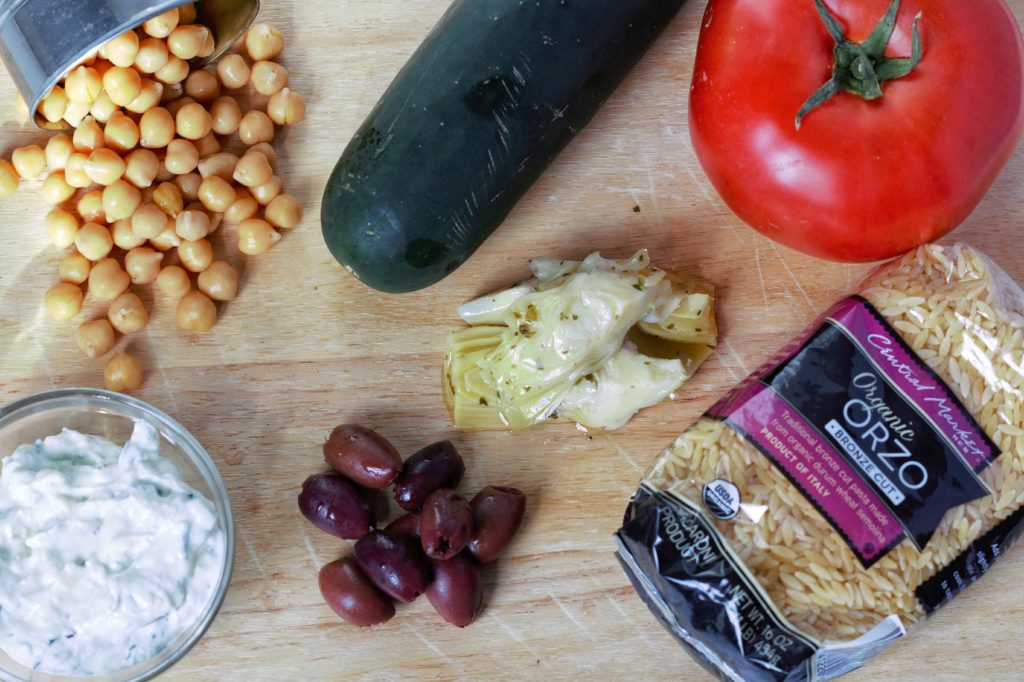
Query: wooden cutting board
[[306, 347]]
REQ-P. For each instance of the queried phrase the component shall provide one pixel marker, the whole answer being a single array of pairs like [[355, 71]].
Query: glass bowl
[[112, 416]]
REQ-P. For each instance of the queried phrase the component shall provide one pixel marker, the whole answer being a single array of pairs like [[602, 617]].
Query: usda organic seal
[[721, 499]]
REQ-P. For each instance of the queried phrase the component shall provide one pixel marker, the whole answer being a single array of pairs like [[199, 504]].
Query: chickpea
[[63, 301], [209, 45], [58, 149], [9, 178], [195, 256], [74, 171], [103, 108], [226, 115], [182, 157], [244, 207], [107, 280], [150, 95], [168, 197], [127, 314], [208, 145], [161, 25], [88, 136], [83, 84], [29, 162], [187, 14], [175, 106], [253, 170], [102, 65], [221, 165], [76, 113], [166, 240], [124, 236], [152, 55], [121, 50], [173, 72], [268, 191], [219, 281], [192, 225], [94, 241], [172, 92], [202, 86], [121, 133], [54, 105], [196, 312], [256, 236], [215, 221], [143, 264], [193, 121], [256, 127], [263, 41], [189, 186], [74, 268], [217, 194], [123, 373], [122, 84], [268, 77], [164, 175], [149, 221], [174, 281], [56, 189], [120, 200], [286, 107], [141, 168], [61, 227], [233, 71], [156, 128], [186, 42], [104, 166], [284, 212], [95, 337], [90, 207]]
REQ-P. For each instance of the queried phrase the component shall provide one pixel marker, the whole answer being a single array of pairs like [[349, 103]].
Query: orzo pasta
[[855, 483]]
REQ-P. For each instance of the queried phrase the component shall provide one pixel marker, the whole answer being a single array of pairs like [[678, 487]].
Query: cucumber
[[492, 95]]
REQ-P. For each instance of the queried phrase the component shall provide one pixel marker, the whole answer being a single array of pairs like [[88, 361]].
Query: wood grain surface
[[305, 347]]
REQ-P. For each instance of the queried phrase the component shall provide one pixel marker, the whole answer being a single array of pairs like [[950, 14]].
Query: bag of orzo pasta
[[858, 481]]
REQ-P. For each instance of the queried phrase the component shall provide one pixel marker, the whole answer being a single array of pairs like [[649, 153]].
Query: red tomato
[[859, 180]]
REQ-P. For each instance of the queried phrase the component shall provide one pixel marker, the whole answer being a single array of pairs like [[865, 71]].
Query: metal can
[[41, 40]]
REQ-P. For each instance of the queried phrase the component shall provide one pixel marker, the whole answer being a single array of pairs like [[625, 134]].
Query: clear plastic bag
[[862, 478]]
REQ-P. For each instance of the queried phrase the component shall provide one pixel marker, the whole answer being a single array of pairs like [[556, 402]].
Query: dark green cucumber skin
[[493, 94]]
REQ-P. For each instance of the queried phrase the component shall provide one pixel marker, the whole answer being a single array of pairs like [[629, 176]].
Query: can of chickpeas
[[41, 40]]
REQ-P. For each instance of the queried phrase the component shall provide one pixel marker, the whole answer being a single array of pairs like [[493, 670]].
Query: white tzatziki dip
[[106, 554]]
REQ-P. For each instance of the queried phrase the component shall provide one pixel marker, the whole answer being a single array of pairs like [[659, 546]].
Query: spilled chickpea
[[149, 172]]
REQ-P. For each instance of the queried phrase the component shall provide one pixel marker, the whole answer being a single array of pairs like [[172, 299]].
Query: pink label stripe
[[915, 380], [835, 487]]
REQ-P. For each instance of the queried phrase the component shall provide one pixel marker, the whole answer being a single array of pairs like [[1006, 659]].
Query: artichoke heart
[[557, 344]]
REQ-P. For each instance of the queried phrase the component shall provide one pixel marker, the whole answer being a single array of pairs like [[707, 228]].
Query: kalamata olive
[[351, 595], [497, 514], [457, 592], [394, 563], [362, 455], [407, 524], [446, 524], [334, 505], [436, 466]]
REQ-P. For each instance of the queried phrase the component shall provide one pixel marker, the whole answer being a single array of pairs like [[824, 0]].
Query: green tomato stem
[[861, 68]]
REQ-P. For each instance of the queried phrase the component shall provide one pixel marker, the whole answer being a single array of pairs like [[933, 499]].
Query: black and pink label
[[875, 440]]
